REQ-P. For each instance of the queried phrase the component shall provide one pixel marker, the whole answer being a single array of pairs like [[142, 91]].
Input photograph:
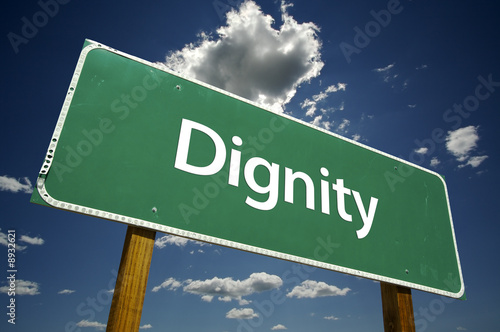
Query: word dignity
[[272, 188]]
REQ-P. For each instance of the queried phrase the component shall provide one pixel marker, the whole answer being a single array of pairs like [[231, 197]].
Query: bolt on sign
[[141, 145]]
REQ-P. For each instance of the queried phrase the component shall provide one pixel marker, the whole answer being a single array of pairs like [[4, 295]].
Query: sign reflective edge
[[43, 197]]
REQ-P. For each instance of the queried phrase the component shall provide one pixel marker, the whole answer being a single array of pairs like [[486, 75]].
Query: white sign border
[[92, 45]]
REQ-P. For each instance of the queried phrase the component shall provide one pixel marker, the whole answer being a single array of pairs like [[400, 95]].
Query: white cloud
[[252, 59], [422, 150], [474, 161], [245, 313], [23, 287], [146, 326], [318, 121], [32, 240], [278, 327], [342, 127], [228, 288], [311, 105], [66, 291], [462, 141], [384, 69], [314, 289], [169, 284], [14, 185], [175, 240], [435, 161], [356, 137], [85, 323], [331, 318]]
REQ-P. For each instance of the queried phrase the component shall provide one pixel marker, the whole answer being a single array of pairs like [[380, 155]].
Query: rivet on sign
[[395, 168], [178, 87], [154, 209], [407, 271]]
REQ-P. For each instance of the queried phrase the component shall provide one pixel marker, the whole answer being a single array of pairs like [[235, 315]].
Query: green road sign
[[138, 144]]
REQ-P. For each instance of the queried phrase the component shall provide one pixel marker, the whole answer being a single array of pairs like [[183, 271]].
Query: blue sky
[[430, 67]]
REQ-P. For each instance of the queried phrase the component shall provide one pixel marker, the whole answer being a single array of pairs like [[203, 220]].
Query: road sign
[[141, 145]]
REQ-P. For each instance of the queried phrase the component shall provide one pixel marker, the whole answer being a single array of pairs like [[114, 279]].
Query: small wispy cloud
[[37, 241], [278, 327], [434, 162], [384, 69], [331, 318], [66, 291], [86, 323], [145, 327], [8, 183], [422, 150], [244, 313], [311, 104], [313, 289], [163, 241]]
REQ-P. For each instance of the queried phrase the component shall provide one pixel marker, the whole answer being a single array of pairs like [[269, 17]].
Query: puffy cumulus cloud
[[169, 284], [314, 289], [146, 327], [15, 185], [245, 313], [461, 142], [252, 59], [225, 289], [23, 287]]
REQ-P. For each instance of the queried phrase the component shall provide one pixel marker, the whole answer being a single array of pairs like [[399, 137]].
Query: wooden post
[[130, 288], [397, 308]]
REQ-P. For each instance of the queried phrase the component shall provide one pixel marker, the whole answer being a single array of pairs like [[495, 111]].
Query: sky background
[[429, 67]]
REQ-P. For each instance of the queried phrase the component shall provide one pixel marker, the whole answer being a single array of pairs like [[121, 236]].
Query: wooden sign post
[[397, 308], [130, 288]]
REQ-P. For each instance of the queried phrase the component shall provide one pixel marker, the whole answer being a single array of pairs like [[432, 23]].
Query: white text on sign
[[272, 189]]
